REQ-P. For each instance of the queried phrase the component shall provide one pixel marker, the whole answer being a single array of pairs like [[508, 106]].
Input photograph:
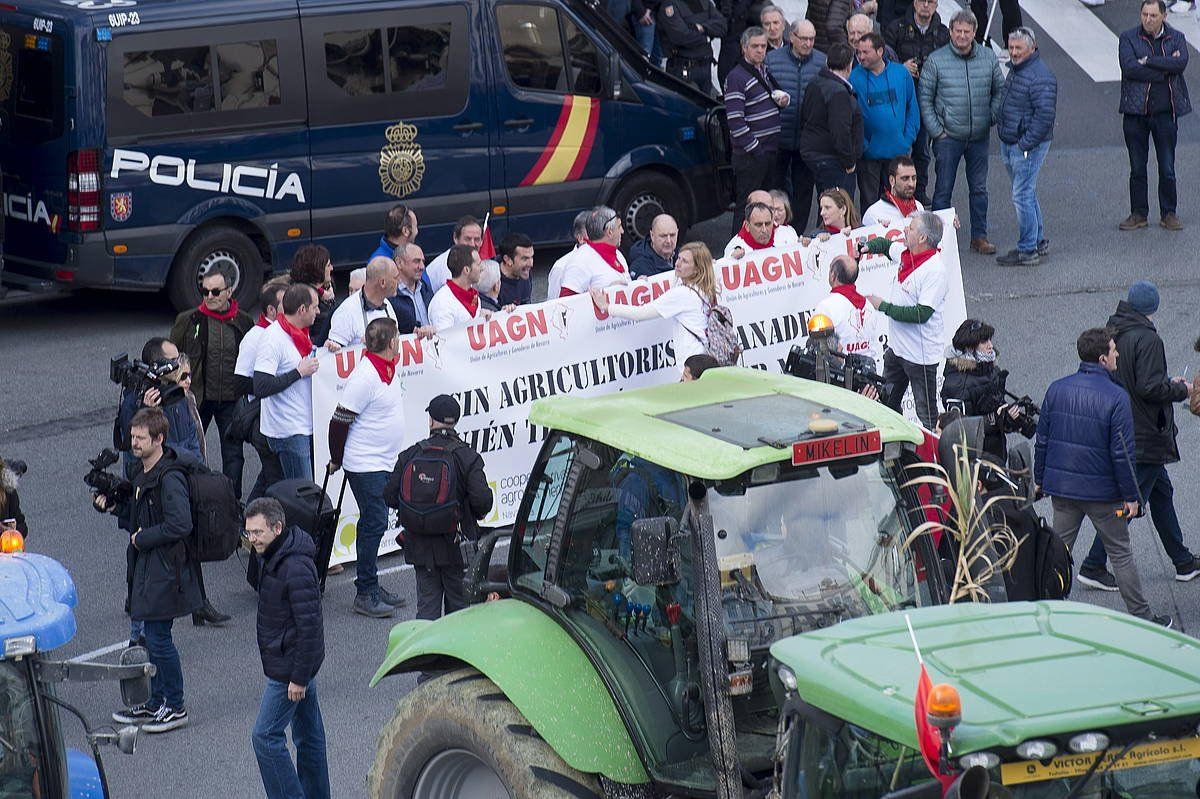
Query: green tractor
[[700, 598]]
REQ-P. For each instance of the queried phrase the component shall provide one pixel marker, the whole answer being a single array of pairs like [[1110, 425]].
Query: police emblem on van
[[401, 162], [120, 206]]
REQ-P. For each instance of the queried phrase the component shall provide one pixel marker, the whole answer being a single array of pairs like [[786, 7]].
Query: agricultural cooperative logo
[[401, 162], [240, 179]]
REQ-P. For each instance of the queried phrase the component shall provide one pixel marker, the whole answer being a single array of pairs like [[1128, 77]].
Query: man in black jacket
[[291, 643], [1142, 370], [686, 29], [160, 571], [831, 123], [436, 558]]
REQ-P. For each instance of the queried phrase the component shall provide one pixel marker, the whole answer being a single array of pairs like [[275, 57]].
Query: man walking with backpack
[[161, 571], [441, 490], [291, 642]]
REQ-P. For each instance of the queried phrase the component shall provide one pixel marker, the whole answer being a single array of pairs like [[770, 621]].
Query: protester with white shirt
[[283, 370], [579, 233], [467, 231], [686, 303], [598, 262], [366, 434], [756, 233], [916, 334], [899, 202], [851, 314], [457, 302], [372, 301], [270, 301]]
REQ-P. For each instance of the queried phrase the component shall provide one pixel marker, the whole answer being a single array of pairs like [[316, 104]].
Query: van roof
[[150, 12], [722, 425]]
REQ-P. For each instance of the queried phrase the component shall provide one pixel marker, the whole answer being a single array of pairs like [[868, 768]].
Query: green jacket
[[212, 347], [960, 95]]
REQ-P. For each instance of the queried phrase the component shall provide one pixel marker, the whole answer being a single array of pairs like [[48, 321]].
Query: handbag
[[245, 421]]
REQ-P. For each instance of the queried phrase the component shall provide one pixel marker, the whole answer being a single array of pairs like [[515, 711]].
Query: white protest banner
[[497, 368]]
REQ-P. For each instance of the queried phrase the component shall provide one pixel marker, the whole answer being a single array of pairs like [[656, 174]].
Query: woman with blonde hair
[[781, 212], [687, 302], [837, 213]]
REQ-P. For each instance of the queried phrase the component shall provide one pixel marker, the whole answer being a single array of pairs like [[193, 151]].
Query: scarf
[[974, 355], [910, 262], [607, 253], [744, 235], [468, 297], [833, 229], [263, 321], [906, 207], [299, 336], [851, 294], [386, 368], [220, 317]]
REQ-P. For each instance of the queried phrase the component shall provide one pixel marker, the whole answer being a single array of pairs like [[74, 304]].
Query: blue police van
[[144, 141]]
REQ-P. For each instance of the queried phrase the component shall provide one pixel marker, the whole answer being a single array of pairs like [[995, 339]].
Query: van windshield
[[31, 86]]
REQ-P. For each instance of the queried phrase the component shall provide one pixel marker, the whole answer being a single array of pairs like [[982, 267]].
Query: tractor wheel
[[458, 737]]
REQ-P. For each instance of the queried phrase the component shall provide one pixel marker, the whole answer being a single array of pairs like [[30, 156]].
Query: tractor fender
[[539, 668]]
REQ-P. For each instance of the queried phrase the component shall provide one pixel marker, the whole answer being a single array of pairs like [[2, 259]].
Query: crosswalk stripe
[[1186, 23], [1080, 34]]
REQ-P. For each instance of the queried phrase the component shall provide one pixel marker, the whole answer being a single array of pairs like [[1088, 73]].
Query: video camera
[[816, 361], [104, 482], [1027, 416], [140, 377]]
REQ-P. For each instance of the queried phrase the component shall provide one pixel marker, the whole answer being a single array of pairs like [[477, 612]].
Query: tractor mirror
[[135, 690], [655, 551]]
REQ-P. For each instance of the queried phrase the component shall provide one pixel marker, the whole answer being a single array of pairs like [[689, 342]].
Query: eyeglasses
[[611, 219], [248, 534], [214, 292]]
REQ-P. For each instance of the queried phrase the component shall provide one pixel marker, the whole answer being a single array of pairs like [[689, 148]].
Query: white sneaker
[[1092, 3]]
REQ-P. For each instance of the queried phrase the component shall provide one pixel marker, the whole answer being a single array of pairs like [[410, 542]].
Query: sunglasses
[[213, 292], [185, 376]]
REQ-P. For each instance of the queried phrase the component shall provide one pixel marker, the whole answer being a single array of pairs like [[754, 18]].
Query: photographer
[[161, 574], [10, 502], [974, 385], [162, 356]]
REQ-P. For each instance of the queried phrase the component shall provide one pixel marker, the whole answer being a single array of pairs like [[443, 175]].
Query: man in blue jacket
[[1027, 109], [890, 113], [1154, 96], [291, 642], [1083, 458]]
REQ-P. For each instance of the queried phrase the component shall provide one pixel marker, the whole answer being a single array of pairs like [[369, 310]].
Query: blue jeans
[[646, 38], [166, 686], [308, 777], [1023, 172], [1163, 128], [828, 173], [1155, 489], [372, 521], [947, 152], [295, 456]]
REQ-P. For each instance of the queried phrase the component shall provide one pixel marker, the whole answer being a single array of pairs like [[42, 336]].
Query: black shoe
[[388, 598], [1163, 621], [1101, 580], [1188, 571], [372, 606], [136, 715], [1043, 247], [208, 615], [166, 719], [1018, 258]]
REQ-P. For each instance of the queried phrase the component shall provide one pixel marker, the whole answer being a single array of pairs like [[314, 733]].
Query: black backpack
[[1054, 564], [428, 492], [216, 513], [1043, 566]]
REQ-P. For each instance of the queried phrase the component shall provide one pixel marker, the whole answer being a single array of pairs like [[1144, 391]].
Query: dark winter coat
[[475, 500], [1142, 369], [977, 385], [676, 23], [163, 577], [406, 314], [752, 115], [1138, 81], [645, 262], [829, 18], [960, 94], [831, 121], [793, 76], [291, 633], [212, 347], [12, 501], [1084, 445], [903, 36], [182, 435], [1028, 105]]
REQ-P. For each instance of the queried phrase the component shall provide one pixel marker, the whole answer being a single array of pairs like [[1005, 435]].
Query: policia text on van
[[145, 141]]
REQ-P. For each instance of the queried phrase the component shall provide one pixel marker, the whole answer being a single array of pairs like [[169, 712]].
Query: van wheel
[[644, 196], [457, 736], [205, 250]]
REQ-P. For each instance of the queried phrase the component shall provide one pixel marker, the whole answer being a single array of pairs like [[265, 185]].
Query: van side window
[[354, 61], [532, 47], [417, 56], [171, 81], [585, 61], [249, 74]]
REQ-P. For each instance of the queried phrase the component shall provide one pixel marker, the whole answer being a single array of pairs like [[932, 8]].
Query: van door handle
[[468, 126], [517, 123]]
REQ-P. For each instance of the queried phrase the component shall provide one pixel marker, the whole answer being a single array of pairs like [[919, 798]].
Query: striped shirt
[[752, 115]]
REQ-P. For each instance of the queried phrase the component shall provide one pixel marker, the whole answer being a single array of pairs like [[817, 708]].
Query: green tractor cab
[[1058, 699], [667, 539]]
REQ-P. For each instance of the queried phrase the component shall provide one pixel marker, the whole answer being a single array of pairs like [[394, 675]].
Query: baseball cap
[[444, 408]]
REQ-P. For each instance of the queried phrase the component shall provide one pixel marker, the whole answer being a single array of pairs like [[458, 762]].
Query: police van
[[143, 142]]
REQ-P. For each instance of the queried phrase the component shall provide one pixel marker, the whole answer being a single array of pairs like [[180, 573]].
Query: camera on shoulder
[[139, 377]]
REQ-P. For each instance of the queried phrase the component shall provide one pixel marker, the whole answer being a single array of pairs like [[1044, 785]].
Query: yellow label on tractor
[[1076, 765]]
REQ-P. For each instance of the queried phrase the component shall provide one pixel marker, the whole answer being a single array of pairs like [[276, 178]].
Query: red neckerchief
[[910, 262], [906, 207], [299, 336], [851, 293], [386, 368], [220, 317], [263, 321], [833, 229], [608, 253], [744, 235], [468, 297]]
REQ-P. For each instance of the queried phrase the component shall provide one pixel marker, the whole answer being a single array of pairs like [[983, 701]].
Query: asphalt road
[[56, 409]]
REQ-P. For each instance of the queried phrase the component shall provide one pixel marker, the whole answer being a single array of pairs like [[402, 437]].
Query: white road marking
[[394, 569], [1081, 35], [101, 652]]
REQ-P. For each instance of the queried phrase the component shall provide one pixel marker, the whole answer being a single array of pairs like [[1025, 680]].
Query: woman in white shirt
[[781, 212], [686, 302]]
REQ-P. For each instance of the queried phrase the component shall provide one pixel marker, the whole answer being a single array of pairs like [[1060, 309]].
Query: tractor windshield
[[22, 760], [802, 548]]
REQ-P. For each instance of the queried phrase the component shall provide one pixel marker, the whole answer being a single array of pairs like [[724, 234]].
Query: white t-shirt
[[685, 308], [782, 239], [554, 282], [288, 413], [349, 323], [884, 213], [377, 434], [856, 329], [248, 351], [587, 270], [445, 311], [438, 271], [926, 285], [786, 235]]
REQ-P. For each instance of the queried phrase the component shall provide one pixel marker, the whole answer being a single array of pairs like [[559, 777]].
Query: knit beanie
[[1143, 297]]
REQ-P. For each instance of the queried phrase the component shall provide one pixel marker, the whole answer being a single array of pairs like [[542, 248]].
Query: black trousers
[[870, 175], [271, 471], [697, 72], [232, 459], [899, 374], [1010, 12], [439, 587], [801, 190], [750, 172]]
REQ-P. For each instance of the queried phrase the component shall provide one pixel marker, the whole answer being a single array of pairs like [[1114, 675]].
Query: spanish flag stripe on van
[[570, 145]]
